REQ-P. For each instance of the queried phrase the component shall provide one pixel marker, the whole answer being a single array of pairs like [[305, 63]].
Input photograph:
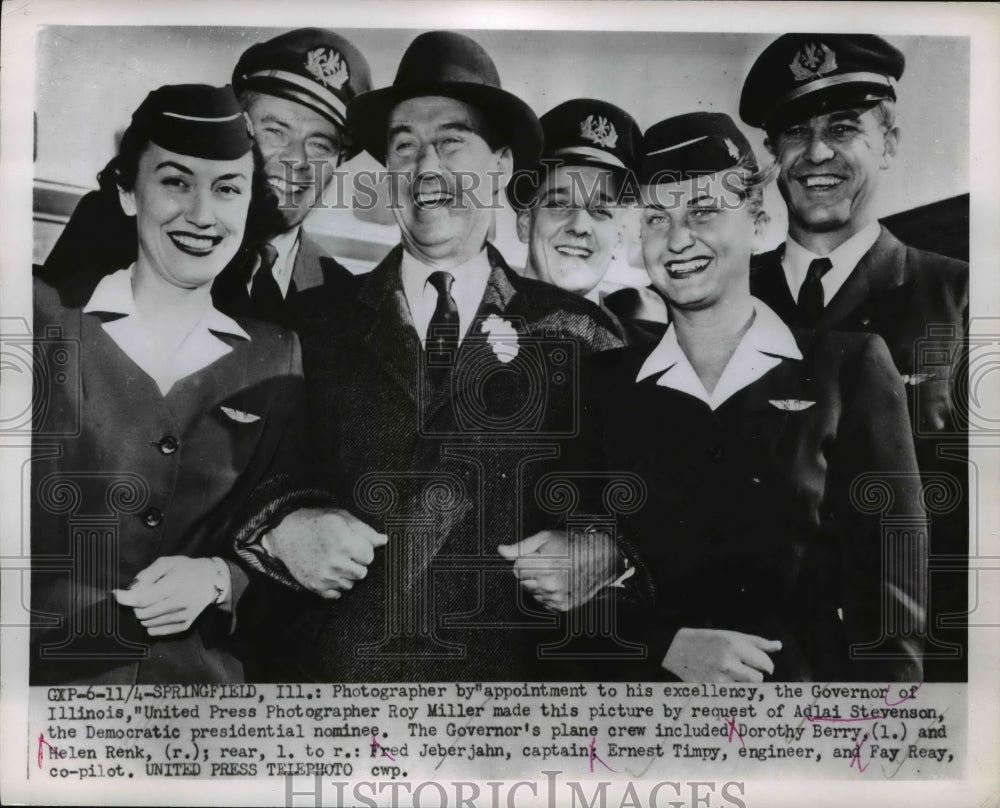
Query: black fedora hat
[[452, 65]]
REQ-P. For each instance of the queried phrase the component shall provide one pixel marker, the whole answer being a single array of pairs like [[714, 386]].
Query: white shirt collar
[[113, 295], [844, 259], [468, 289], [287, 245], [766, 342]]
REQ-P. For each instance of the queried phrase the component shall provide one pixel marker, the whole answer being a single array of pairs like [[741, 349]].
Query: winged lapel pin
[[239, 416], [790, 404], [913, 379]]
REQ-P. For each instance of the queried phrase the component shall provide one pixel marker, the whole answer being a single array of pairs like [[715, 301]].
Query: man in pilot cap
[[438, 392], [295, 89], [827, 103], [571, 206]]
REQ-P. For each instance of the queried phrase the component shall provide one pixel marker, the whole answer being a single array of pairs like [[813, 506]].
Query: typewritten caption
[[425, 731]]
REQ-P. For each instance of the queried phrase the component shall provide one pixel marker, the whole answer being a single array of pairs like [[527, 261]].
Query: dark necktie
[[811, 294], [265, 294], [442, 331]]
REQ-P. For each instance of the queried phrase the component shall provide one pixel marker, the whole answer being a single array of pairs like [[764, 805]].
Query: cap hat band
[[311, 87], [833, 81], [588, 151], [232, 117], [677, 145]]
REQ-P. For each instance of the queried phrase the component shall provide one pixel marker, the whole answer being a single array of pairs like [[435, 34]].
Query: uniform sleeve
[[879, 521], [285, 487], [632, 596]]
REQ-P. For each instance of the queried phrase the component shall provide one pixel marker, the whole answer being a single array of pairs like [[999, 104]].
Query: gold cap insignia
[[598, 129], [328, 67], [813, 60], [731, 148]]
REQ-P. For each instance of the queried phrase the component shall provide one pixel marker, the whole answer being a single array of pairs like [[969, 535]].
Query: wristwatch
[[220, 581]]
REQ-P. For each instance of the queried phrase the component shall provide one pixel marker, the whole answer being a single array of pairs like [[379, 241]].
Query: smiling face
[[301, 150], [830, 167], [574, 228], [696, 242], [445, 178], [190, 214]]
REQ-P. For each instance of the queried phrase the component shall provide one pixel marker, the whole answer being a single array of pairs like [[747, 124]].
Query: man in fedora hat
[[827, 103], [439, 390], [294, 89], [571, 207]]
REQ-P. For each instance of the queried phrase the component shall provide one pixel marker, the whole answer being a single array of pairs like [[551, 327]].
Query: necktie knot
[[818, 267], [442, 281], [268, 255]]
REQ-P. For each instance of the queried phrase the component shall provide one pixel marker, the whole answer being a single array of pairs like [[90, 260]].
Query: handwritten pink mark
[[731, 723], [856, 757], [913, 694], [42, 742], [594, 756], [375, 743]]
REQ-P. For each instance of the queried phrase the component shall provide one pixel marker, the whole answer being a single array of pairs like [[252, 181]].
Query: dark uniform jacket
[[312, 268], [769, 514], [122, 475], [445, 463], [918, 303]]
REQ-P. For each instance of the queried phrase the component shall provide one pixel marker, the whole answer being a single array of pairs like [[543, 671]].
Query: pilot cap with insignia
[[194, 120], [801, 75], [452, 65], [696, 144], [311, 66], [581, 132]]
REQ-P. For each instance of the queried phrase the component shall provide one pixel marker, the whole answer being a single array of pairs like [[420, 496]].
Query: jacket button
[[152, 517], [717, 452], [168, 445]]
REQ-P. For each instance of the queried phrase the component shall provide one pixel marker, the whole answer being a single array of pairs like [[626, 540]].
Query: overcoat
[[445, 460]]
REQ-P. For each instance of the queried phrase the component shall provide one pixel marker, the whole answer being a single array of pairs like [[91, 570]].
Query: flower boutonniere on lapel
[[502, 337]]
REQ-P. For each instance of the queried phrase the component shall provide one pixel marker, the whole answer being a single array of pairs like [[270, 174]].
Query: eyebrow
[[845, 115], [450, 126], [238, 175], [702, 200], [173, 164], [272, 118], [458, 126]]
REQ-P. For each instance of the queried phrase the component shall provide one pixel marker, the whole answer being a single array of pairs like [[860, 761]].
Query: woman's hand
[[712, 655], [170, 593]]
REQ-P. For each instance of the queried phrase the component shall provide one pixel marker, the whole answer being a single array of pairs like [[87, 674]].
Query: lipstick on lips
[[197, 244]]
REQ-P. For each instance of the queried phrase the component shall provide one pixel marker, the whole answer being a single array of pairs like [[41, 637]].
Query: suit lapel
[[307, 271], [878, 272], [388, 329], [767, 282]]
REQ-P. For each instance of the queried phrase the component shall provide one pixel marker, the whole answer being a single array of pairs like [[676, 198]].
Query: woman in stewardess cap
[[782, 537], [155, 415]]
